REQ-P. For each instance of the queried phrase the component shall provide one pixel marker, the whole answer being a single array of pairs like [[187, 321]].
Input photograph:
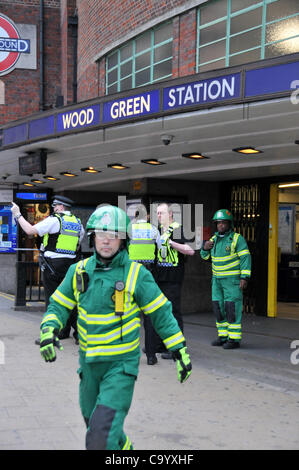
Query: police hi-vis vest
[[103, 334], [230, 256], [66, 240], [142, 246], [167, 256]]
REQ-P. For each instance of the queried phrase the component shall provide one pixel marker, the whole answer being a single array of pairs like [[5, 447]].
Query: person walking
[[62, 233], [231, 268], [144, 244], [169, 273], [110, 291]]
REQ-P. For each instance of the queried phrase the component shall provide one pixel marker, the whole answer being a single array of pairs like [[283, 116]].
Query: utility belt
[[56, 266]]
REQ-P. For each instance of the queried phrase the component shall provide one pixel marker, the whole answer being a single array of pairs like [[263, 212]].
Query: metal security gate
[[29, 285], [249, 204]]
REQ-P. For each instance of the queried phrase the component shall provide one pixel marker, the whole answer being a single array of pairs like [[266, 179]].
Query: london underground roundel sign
[[11, 45]]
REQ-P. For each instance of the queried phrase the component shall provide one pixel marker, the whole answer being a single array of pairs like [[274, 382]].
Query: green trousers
[[227, 298], [105, 396]]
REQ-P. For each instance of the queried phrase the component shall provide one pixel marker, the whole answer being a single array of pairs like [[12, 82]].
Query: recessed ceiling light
[[90, 169], [288, 185], [194, 155], [28, 184], [153, 161], [51, 178], [247, 150], [68, 173], [37, 181], [117, 166]]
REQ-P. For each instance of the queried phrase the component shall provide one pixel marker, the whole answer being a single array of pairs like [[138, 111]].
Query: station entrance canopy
[[256, 105]]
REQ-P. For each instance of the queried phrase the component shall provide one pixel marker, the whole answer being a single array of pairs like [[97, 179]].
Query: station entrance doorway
[[288, 251], [34, 207]]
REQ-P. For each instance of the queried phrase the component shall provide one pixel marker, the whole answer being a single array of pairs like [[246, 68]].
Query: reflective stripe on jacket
[[230, 256], [103, 335]]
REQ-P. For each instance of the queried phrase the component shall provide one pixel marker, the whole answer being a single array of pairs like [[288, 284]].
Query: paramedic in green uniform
[[110, 292], [231, 268]]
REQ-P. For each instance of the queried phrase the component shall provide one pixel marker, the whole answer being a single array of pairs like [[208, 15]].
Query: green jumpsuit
[[109, 349], [231, 261]]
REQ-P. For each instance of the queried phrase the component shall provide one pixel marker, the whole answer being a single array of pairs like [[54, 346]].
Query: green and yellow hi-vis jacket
[[103, 335], [230, 256]]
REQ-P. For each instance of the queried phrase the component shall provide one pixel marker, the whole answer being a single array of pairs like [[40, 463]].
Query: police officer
[[62, 233], [171, 258], [144, 244], [231, 268], [110, 292]]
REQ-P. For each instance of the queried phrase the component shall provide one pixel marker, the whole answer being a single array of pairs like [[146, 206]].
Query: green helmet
[[224, 214], [110, 218]]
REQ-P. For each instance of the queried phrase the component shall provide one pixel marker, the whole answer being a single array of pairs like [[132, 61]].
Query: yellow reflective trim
[[109, 318], [52, 317], [127, 444], [224, 258], [226, 266], [243, 253], [154, 304], [246, 271], [235, 335], [173, 340], [81, 330], [83, 345], [80, 265], [131, 282], [206, 257], [63, 300], [114, 334], [82, 314], [234, 326], [228, 273], [234, 243], [112, 350]]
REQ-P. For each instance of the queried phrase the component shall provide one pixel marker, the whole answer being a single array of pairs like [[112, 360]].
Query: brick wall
[[98, 27], [102, 23], [68, 9], [22, 87]]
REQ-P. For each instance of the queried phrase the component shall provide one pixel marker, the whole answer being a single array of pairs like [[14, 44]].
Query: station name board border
[[240, 86]]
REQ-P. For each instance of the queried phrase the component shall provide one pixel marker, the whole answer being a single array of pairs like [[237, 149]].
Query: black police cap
[[62, 200]]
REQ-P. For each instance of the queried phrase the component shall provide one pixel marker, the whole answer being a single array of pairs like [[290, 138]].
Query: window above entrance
[[234, 32], [141, 61]]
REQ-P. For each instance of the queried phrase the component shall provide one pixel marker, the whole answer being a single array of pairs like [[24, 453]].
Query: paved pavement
[[240, 399]]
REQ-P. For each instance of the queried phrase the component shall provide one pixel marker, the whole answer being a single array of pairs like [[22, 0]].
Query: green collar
[[226, 234]]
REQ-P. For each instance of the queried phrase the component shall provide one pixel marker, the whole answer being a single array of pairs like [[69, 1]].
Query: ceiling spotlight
[[152, 161], [68, 173], [37, 181], [194, 155], [247, 150], [51, 178], [90, 169], [117, 166], [28, 184]]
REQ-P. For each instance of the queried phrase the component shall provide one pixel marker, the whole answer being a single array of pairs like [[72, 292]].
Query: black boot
[[152, 360], [231, 344], [219, 341]]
